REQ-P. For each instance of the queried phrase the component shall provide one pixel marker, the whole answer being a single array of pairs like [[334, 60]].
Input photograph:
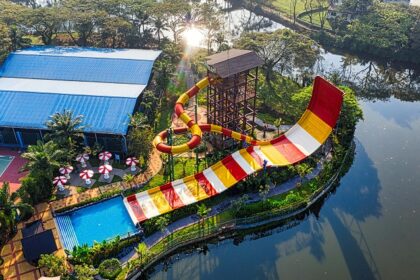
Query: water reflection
[[337, 223]]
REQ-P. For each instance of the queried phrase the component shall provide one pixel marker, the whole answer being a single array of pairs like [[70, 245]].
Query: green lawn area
[[159, 179], [316, 21], [285, 6]]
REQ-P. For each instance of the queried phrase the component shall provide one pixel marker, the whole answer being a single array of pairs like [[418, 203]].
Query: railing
[[209, 230]]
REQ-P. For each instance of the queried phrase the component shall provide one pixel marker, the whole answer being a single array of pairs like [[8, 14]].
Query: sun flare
[[193, 37]]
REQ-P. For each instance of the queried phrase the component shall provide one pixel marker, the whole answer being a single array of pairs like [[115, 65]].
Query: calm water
[[102, 221], [369, 228]]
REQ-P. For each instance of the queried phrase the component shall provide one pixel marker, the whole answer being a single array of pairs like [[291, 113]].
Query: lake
[[369, 227]]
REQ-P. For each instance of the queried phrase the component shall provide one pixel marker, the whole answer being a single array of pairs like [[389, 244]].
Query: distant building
[[103, 85]]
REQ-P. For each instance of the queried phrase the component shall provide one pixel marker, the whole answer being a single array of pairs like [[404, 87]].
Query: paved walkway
[[73, 197], [15, 266], [219, 208]]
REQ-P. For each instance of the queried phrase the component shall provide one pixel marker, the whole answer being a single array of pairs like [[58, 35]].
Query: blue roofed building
[[103, 85]]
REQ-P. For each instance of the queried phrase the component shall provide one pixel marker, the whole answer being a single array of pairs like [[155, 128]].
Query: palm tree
[[160, 26], [11, 212], [64, 126], [142, 251], [203, 211], [129, 179], [43, 158], [67, 131]]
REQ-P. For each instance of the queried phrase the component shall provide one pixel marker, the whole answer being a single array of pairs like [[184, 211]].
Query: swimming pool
[[4, 163], [101, 221]]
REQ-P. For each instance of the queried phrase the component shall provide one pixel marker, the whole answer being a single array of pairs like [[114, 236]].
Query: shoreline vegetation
[[394, 27]]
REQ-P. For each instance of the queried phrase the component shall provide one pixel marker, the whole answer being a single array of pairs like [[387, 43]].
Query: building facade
[[102, 85]]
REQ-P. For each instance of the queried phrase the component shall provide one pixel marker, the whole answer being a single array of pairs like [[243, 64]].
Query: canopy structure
[[299, 142], [101, 84], [36, 241]]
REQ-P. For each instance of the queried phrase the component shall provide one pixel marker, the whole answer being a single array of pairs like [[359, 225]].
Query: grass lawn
[[160, 179], [285, 6], [316, 21]]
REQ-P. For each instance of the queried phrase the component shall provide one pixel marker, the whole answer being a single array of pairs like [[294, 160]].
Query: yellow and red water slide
[[300, 141]]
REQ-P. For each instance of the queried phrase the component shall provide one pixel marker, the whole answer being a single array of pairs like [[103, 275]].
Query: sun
[[193, 37]]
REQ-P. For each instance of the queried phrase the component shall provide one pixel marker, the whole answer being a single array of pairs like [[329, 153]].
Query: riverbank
[[330, 39], [173, 240]]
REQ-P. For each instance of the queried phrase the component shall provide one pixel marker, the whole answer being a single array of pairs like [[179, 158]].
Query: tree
[[46, 22], [264, 190], [277, 124], [210, 17], [52, 265], [174, 12], [11, 212], [129, 179], [303, 169], [308, 5], [239, 204], [294, 4], [142, 251], [203, 211], [148, 106], [162, 223], [44, 159], [81, 18], [5, 42], [66, 130], [281, 50], [140, 138], [85, 272]]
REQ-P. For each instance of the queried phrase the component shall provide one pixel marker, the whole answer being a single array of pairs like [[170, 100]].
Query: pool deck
[[12, 174], [15, 266], [73, 197]]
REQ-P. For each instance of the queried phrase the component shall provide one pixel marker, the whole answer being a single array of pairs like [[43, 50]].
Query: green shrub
[[110, 268], [85, 272], [53, 265]]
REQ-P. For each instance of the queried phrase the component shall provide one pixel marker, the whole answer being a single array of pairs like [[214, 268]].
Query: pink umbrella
[[86, 175], [132, 161], [66, 170], [82, 158], [105, 156], [105, 169], [59, 181]]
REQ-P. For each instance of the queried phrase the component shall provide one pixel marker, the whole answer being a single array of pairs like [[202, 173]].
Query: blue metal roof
[[71, 68], [32, 110]]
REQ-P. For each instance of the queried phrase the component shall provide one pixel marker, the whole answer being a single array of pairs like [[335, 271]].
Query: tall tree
[[46, 21], [11, 212], [43, 158], [66, 130], [81, 18], [281, 50]]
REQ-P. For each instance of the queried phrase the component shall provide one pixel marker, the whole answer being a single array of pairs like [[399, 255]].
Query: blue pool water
[[4, 163], [97, 222]]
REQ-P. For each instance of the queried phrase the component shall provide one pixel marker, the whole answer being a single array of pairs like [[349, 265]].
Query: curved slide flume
[[300, 141]]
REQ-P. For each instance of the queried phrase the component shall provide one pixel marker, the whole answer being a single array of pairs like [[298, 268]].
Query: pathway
[[15, 266], [74, 197], [219, 208]]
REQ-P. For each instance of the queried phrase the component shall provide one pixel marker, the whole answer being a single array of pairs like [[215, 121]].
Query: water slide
[[299, 142]]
